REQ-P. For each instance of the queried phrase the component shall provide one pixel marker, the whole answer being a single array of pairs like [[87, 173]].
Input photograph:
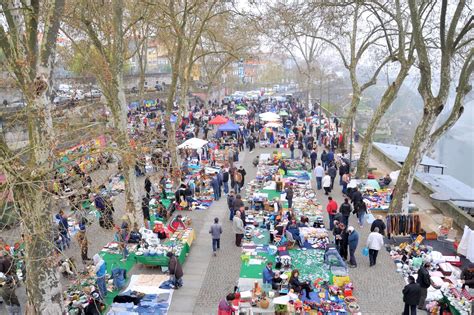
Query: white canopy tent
[[193, 143], [269, 116], [242, 112]]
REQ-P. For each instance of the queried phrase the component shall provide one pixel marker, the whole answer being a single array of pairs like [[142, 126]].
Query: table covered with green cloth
[[113, 261], [161, 260], [272, 194], [255, 271], [308, 262], [265, 240], [302, 174]]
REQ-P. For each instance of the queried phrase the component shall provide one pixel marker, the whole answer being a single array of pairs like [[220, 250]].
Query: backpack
[[238, 177]]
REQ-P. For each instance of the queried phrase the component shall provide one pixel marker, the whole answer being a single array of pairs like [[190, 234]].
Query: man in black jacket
[[378, 223], [411, 296], [345, 209], [225, 180], [424, 280]]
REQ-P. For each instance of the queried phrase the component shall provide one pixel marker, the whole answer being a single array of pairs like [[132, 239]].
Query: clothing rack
[[402, 224]]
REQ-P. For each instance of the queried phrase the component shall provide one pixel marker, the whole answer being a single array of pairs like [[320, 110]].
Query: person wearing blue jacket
[[268, 273], [215, 186], [353, 242]]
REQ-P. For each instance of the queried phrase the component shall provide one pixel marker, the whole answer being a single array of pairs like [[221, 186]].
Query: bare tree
[[29, 58], [352, 41], [401, 49], [451, 43], [288, 25], [106, 26]]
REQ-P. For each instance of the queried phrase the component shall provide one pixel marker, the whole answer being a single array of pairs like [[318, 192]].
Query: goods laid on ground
[[447, 293], [270, 237]]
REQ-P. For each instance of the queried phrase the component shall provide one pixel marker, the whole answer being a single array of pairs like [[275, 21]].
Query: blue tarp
[[228, 126]]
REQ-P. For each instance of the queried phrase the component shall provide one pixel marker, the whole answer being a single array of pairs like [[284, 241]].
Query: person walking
[[238, 181], [176, 270], [81, 238], [346, 178], [230, 204], [215, 186], [331, 209], [361, 211], [318, 174], [324, 159], [332, 172], [239, 229], [411, 296], [327, 184], [292, 150], [243, 173], [314, 157], [424, 280], [225, 180], [374, 243], [289, 195], [216, 231], [353, 240], [345, 209], [378, 223], [343, 169]]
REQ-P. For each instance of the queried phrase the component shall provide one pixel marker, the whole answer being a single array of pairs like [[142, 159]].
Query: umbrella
[[273, 125], [218, 120], [193, 143], [283, 113], [239, 107], [242, 112]]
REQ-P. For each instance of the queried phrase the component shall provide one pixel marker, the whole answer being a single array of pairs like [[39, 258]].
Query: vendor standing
[[267, 273], [100, 270], [467, 276], [424, 280]]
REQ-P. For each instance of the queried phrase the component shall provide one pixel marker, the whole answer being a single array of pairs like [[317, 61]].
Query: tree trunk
[[132, 195], [308, 94], [418, 148], [387, 100], [44, 292], [169, 109], [142, 61], [350, 116]]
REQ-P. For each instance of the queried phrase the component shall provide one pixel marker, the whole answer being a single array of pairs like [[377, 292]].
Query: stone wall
[[449, 209]]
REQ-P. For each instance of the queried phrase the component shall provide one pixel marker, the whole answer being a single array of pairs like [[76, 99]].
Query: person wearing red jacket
[[331, 208]]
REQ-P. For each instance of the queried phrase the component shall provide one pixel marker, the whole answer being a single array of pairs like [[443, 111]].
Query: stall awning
[[229, 126], [218, 120], [193, 143]]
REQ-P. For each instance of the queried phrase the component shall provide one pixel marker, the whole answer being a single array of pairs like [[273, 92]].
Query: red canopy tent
[[218, 120]]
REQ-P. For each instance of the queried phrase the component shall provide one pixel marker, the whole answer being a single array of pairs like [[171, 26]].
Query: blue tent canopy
[[228, 126]]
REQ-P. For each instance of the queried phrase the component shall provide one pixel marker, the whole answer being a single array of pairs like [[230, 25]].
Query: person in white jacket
[[374, 243], [327, 184], [239, 229]]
